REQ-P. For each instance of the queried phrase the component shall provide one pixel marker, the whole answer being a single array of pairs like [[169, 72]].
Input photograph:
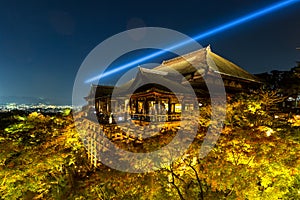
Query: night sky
[[43, 43]]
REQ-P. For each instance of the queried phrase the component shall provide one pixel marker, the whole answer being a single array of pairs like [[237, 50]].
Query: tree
[[253, 159], [41, 157]]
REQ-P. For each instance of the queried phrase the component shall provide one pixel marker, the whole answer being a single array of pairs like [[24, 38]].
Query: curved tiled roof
[[225, 67], [200, 61], [150, 76]]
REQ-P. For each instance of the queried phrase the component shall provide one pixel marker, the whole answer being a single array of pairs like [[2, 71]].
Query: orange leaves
[[227, 130], [214, 185]]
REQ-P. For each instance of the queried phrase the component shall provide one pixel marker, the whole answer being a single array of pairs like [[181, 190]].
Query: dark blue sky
[[43, 43]]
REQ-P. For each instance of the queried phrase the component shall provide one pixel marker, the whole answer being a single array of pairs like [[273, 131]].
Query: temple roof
[[197, 63], [151, 77], [99, 91], [202, 61]]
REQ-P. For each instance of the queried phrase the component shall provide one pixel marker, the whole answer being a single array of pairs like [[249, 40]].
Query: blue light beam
[[231, 24]]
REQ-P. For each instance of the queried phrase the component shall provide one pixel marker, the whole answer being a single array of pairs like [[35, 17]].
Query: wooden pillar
[[130, 106], [159, 106], [107, 106], [96, 105], [127, 108], [116, 106], [143, 106], [169, 106], [136, 106], [99, 105], [169, 110]]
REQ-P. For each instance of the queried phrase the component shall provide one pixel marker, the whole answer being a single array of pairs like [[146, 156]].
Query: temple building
[[147, 97]]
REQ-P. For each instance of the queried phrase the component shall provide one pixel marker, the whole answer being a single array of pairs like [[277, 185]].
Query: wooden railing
[[156, 118]]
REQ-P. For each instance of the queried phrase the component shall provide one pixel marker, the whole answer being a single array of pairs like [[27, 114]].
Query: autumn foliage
[[256, 157]]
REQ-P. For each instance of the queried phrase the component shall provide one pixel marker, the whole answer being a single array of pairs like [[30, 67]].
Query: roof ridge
[[181, 57]]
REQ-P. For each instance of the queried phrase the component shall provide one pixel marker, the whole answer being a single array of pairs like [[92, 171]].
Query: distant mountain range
[[30, 100]]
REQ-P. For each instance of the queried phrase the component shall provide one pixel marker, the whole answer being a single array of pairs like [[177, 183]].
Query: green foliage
[[39, 155]]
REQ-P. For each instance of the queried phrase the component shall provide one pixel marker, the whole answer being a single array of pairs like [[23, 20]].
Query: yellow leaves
[[4, 179], [35, 115], [275, 180], [28, 168], [266, 181], [2, 139], [71, 161], [253, 107], [20, 118], [295, 121], [227, 130], [235, 142], [194, 161], [267, 130], [170, 178], [239, 158], [59, 121]]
